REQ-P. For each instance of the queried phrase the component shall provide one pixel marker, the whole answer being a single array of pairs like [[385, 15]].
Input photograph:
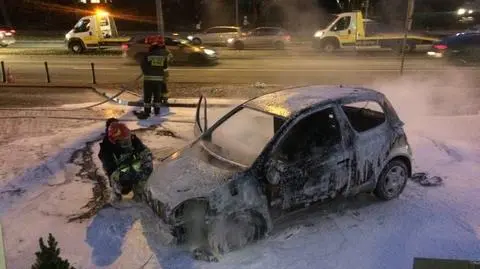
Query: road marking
[[96, 68], [312, 70], [3, 263]]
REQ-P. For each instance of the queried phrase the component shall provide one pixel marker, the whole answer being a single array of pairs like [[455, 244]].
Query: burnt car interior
[[316, 132], [364, 115]]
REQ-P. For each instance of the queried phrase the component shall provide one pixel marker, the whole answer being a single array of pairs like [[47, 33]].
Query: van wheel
[[239, 45], [279, 45], [329, 46], [76, 47], [196, 41], [236, 231], [392, 180]]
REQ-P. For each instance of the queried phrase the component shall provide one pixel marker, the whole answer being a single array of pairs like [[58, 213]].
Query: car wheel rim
[[395, 180], [76, 48]]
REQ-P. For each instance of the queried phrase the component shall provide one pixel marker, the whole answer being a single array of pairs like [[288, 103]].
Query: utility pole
[[408, 26], [237, 22], [367, 3], [160, 26]]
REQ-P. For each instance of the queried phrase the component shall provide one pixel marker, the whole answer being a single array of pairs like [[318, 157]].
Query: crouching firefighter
[[126, 160], [154, 68]]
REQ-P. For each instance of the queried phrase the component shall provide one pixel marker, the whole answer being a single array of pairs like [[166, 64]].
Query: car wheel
[[236, 231], [329, 47], [239, 45], [197, 41], [3, 45], [279, 45], [392, 180], [196, 59], [76, 47]]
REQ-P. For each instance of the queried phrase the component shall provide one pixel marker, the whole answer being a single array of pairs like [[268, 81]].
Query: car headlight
[[318, 33], [209, 52], [190, 37], [230, 40]]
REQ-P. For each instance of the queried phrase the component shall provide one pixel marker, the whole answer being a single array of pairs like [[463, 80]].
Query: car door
[[471, 49], [85, 30], [343, 31], [211, 35], [226, 33], [370, 141], [309, 163], [259, 38]]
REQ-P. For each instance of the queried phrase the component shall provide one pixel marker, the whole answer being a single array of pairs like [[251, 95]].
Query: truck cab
[[94, 32], [350, 30]]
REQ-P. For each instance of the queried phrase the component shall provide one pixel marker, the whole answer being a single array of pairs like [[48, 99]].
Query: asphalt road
[[295, 66]]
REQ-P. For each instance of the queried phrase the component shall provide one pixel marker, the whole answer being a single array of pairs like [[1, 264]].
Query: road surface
[[292, 66]]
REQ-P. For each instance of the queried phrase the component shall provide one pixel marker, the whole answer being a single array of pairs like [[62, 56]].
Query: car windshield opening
[[242, 137]]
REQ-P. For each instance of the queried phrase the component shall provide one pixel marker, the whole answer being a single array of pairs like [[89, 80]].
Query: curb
[[3, 261]]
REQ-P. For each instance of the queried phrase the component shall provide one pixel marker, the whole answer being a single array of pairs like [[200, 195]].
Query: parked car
[[276, 152], [182, 50], [7, 36], [217, 35], [272, 37], [461, 48]]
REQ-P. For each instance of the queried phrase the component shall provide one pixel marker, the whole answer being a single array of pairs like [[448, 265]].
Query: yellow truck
[[350, 31], [93, 32]]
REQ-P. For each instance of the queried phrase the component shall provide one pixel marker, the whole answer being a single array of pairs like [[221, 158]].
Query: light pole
[[408, 26], [160, 26], [237, 23]]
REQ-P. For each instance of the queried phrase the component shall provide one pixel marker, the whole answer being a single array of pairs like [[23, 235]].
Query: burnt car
[[182, 50], [462, 48], [276, 152]]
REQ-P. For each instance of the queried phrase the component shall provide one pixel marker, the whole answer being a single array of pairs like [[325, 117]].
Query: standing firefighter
[[127, 161], [154, 67]]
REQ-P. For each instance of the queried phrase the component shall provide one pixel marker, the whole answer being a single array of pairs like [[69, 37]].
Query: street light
[[160, 26]]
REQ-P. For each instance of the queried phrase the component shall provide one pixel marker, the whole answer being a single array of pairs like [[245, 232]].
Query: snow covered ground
[[39, 189]]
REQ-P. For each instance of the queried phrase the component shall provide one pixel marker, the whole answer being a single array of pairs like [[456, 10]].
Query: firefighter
[[127, 161], [154, 68]]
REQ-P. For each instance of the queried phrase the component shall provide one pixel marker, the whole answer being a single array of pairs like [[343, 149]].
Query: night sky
[[183, 14]]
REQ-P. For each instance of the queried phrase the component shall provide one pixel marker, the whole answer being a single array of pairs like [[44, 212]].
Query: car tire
[[392, 180], [239, 45], [3, 45], [196, 41], [329, 46], [235, 232], [279, 45], [76, 47], [196, 59]]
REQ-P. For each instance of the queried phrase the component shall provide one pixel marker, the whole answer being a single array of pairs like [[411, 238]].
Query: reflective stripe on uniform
[[153, 78]]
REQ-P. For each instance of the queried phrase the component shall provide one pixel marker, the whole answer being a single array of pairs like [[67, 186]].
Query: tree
[[49, 256]]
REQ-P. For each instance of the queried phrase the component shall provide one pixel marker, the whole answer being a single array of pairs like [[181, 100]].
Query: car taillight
[[440, 47], [287, 37], [13, 31], [124, 46]]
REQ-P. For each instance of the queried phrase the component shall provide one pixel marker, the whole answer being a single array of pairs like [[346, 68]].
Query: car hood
[[187, 174]]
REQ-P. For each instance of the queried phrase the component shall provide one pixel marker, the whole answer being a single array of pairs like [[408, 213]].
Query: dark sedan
[[182, 50], [462, 48]]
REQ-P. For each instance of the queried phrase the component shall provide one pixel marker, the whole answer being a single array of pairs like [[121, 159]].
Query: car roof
[[286, 103]]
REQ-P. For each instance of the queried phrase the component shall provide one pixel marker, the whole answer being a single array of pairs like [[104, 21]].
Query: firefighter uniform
[[155, 71]]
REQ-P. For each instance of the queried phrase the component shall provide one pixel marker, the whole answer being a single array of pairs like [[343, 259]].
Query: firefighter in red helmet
[[155, 71]]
